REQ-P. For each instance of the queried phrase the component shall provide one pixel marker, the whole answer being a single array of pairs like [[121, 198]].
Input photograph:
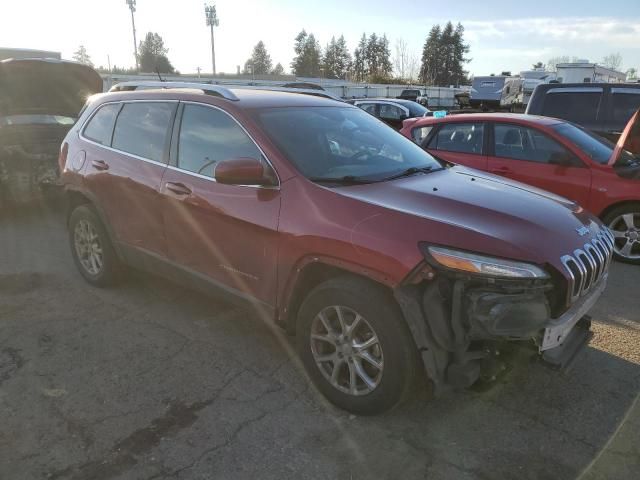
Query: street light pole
[[212, 21], [132, 7]]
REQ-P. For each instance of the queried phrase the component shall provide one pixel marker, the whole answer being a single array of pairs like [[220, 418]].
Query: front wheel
[[624, 223], [356, 346]]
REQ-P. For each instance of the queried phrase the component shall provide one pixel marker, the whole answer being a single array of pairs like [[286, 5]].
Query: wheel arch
[[314, 271], [77, 198], [615, 206]]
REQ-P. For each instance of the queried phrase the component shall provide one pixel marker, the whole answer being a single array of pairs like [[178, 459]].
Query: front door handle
[[178, 188], [100, 164], [502, 170]]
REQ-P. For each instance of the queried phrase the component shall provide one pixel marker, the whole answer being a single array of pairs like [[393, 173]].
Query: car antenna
[[159, 76]]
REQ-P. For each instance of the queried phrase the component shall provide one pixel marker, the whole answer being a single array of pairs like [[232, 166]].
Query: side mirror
[[241, 171], [403, 117]]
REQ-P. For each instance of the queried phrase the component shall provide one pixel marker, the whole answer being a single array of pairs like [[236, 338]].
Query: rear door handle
[[100, 164], [502, 170], [178, 188]]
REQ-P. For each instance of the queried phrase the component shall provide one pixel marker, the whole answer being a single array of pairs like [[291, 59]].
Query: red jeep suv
[[380, 259]]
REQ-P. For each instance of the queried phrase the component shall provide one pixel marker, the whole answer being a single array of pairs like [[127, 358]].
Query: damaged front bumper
[[459, 324]]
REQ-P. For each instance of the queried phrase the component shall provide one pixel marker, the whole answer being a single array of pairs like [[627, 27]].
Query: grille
[[588, 264]]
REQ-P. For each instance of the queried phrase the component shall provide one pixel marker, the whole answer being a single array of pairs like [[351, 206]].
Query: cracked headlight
[[483, 265]]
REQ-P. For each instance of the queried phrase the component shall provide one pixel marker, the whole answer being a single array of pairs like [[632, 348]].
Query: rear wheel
[[91, 247], [624, 223], [356, 346]]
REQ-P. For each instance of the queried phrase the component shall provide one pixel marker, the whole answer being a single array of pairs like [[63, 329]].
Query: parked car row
[[383, 260], [391, 111], [553, 155]]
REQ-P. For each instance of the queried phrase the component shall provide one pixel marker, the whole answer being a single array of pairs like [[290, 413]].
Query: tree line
[[442, 61]]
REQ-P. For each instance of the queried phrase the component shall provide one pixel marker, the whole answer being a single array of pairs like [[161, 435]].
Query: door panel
[[530, 156], [126, 185], [227, 232]]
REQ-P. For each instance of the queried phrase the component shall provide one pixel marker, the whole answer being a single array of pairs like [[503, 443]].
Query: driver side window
[[208, 136]]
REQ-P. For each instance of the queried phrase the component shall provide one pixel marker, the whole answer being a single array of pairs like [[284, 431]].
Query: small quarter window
[[100, 127], [421, 133]]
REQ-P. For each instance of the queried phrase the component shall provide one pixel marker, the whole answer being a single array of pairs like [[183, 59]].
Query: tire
[[624, 223], [380, 326], [87, 231]]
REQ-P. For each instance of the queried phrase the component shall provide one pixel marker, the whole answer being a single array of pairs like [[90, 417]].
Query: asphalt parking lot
[[151, 381]]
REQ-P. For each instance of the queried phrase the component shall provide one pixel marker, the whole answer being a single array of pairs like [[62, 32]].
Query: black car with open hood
[[39, 102]]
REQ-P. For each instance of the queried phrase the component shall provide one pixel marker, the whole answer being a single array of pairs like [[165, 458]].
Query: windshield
[[599, 149], [330, 142]]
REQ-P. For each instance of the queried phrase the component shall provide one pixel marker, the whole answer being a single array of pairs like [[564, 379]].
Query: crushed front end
[[465, 310], [28, 160]]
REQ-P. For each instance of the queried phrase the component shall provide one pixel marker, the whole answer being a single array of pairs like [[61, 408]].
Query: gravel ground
[[151, 381]]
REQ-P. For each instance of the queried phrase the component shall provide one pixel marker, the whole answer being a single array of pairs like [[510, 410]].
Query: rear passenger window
[[100, 126], [208, 136], [459, 137], [142, 129], [578, 107], [625, 105]]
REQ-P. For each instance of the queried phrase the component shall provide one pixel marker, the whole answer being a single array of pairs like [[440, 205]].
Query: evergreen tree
[[431, 57], [82, 56], [306, 63], [360, 65], [260, 61], [329, 59], [443, 56], [153, 55], [371, 55], [385, 67], [298, 48], [343, 58], [278, 70]]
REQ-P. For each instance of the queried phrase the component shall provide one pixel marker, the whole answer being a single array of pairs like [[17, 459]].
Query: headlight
[[482, 265]]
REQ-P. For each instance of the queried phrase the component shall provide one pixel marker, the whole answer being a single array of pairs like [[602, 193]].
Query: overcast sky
[[502, 35]]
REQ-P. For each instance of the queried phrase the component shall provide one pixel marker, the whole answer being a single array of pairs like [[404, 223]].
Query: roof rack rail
[[149, 84]]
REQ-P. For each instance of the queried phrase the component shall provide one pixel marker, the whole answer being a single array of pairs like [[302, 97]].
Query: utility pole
[[212, 21], [132, 7]]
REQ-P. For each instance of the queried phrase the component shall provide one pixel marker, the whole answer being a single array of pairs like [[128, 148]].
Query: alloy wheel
[[626, 231], [347, 350], [88, 247]]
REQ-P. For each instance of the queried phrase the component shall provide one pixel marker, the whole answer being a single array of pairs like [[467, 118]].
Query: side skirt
[[151, 262]]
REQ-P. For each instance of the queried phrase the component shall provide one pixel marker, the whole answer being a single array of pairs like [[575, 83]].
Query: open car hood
[[45, 86], [629, 140]]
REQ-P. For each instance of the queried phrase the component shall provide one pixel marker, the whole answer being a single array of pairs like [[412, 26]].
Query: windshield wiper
[[412, 171], [346, 180]]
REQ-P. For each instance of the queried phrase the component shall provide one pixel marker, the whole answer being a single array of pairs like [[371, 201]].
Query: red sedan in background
[[551, 154]]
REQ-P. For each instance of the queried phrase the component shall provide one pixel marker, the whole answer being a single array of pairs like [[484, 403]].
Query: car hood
[[472, 210], [45, 86], [629, 140]]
